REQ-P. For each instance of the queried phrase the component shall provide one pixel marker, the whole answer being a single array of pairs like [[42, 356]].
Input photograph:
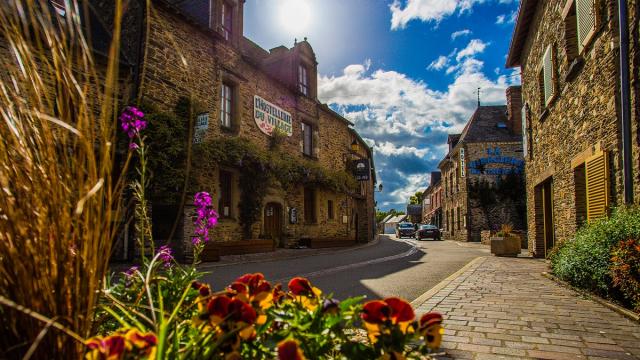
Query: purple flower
[[207, 218], [133, 146], [132, 270], [166, 255], [202, 199], [132, 122]]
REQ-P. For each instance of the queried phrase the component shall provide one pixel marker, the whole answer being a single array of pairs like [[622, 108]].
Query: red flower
[[430, 319], [219, 306], [301, 287], [431, 329], [376, 312], [401, 311], [289, 350], [240, 311], [110, 348]]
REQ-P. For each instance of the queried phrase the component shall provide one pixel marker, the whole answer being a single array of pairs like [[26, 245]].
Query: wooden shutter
[[547, 63], [597, 176], [585, 11]]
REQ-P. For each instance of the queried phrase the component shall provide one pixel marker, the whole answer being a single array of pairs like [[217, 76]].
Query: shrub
[[625, 271], [584, 260]]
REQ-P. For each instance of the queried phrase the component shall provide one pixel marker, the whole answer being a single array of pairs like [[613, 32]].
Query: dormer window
[[226, 23], [303, 80], [59, 7]]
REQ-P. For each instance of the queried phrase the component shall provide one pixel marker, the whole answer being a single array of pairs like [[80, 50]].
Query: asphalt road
[[392, 267]]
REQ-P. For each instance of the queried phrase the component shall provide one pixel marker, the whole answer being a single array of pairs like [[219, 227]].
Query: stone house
[[432, 201], [483, 163], [569, 54], [263, 101]]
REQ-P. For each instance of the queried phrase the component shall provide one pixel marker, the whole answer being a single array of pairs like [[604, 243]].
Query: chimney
[[514, 109]]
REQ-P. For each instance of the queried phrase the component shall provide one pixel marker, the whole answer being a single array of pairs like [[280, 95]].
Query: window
[[586, 22], [570, 31], [525, 132], [59, 7], [224, 203], [307, 139], [458, 217], [546, 78], [303, 80], [226, 105], [227, 20], [330, 214], [597, 185], [309, 205]]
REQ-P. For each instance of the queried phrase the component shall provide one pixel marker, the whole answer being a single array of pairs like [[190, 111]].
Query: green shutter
[[586, 21], [547, 63]]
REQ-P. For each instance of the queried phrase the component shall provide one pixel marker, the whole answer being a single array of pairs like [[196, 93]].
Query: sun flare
[[295, 15]]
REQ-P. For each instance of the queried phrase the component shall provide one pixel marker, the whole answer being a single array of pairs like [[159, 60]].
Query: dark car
[[428, 232], [405, 229]]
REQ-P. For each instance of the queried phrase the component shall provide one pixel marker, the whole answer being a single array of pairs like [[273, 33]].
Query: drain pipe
[[625, 102]]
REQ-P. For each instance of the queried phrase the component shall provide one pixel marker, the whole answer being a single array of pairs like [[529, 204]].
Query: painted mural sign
[[508, 164], [200, 128], [270, 117], [361, 169]]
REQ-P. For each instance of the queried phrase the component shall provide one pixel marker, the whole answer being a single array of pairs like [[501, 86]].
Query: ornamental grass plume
[[58, 197]]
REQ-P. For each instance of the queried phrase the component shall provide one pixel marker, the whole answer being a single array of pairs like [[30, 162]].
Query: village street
[[390, 267]]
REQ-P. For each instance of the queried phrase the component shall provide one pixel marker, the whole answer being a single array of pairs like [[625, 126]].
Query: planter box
[[506, 246], [213, 251], [330, 243]]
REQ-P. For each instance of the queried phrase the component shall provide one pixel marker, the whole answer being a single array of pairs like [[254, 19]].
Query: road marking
[[336, 269]]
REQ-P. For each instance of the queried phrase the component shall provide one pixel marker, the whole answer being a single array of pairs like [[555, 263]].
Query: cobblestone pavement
[[503, 308]]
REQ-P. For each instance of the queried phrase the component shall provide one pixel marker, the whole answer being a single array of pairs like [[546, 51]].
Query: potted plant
[[505, 242]]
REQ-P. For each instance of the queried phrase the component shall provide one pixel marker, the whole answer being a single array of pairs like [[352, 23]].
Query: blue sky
[[404, 71]]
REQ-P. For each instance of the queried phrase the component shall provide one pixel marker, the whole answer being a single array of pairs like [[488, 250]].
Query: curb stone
[[619, 309], [213, 265]]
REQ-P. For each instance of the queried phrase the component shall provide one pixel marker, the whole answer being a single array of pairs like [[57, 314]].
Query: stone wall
[[184, 60], [582, 115]]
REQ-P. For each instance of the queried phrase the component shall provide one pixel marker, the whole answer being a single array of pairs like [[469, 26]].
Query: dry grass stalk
[[57, 194]]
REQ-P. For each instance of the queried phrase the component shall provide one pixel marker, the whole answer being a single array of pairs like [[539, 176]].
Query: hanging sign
[[270, 117], [293, 216], [361, 169]]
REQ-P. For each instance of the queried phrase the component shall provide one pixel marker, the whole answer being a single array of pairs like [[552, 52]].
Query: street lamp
[[355, 146], [379, 188]]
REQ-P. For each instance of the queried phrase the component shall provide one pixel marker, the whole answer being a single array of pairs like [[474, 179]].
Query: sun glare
[[295, 15]]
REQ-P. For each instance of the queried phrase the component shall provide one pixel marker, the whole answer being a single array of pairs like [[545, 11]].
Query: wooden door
[[547, 209], [273, 221]]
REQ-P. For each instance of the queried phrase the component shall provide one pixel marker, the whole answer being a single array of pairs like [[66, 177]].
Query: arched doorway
[[273, 222]]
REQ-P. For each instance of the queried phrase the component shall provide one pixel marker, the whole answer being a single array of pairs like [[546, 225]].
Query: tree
[[416, 199]]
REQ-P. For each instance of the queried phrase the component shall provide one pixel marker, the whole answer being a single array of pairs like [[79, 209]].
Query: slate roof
[[526, 11], [483, 126]]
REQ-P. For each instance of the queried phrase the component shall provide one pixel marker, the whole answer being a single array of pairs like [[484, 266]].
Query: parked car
[[427, 231], [405, 229]]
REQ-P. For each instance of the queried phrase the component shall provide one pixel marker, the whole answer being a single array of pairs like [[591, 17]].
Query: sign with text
[[362, 169], [270, 117], [293, 216], [463, 164], [200, 128]]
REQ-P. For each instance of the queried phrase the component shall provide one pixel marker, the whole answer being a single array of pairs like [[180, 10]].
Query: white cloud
[[507, 18], [439, 63], [475, 46], [459, 33], [431, 10], [406, 120]]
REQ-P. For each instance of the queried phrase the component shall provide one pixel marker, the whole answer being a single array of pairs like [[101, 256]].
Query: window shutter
[[597, 176], [586, 21], [547, 62], [525, 145]]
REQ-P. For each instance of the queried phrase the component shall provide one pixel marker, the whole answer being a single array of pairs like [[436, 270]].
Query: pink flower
[[131, 121]]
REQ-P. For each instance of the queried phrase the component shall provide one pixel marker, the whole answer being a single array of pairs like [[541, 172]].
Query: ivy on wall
[[260, 168]]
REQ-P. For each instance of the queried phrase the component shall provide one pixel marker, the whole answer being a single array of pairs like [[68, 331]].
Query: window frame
[[303, 79], [226, 193], [226, 13], [330, 210], [227, 103], [307, 131], [309, 199]]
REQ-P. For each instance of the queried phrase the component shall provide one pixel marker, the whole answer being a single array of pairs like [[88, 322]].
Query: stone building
[[569, 55], [481, 170], [262, 105], [432, 201]]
